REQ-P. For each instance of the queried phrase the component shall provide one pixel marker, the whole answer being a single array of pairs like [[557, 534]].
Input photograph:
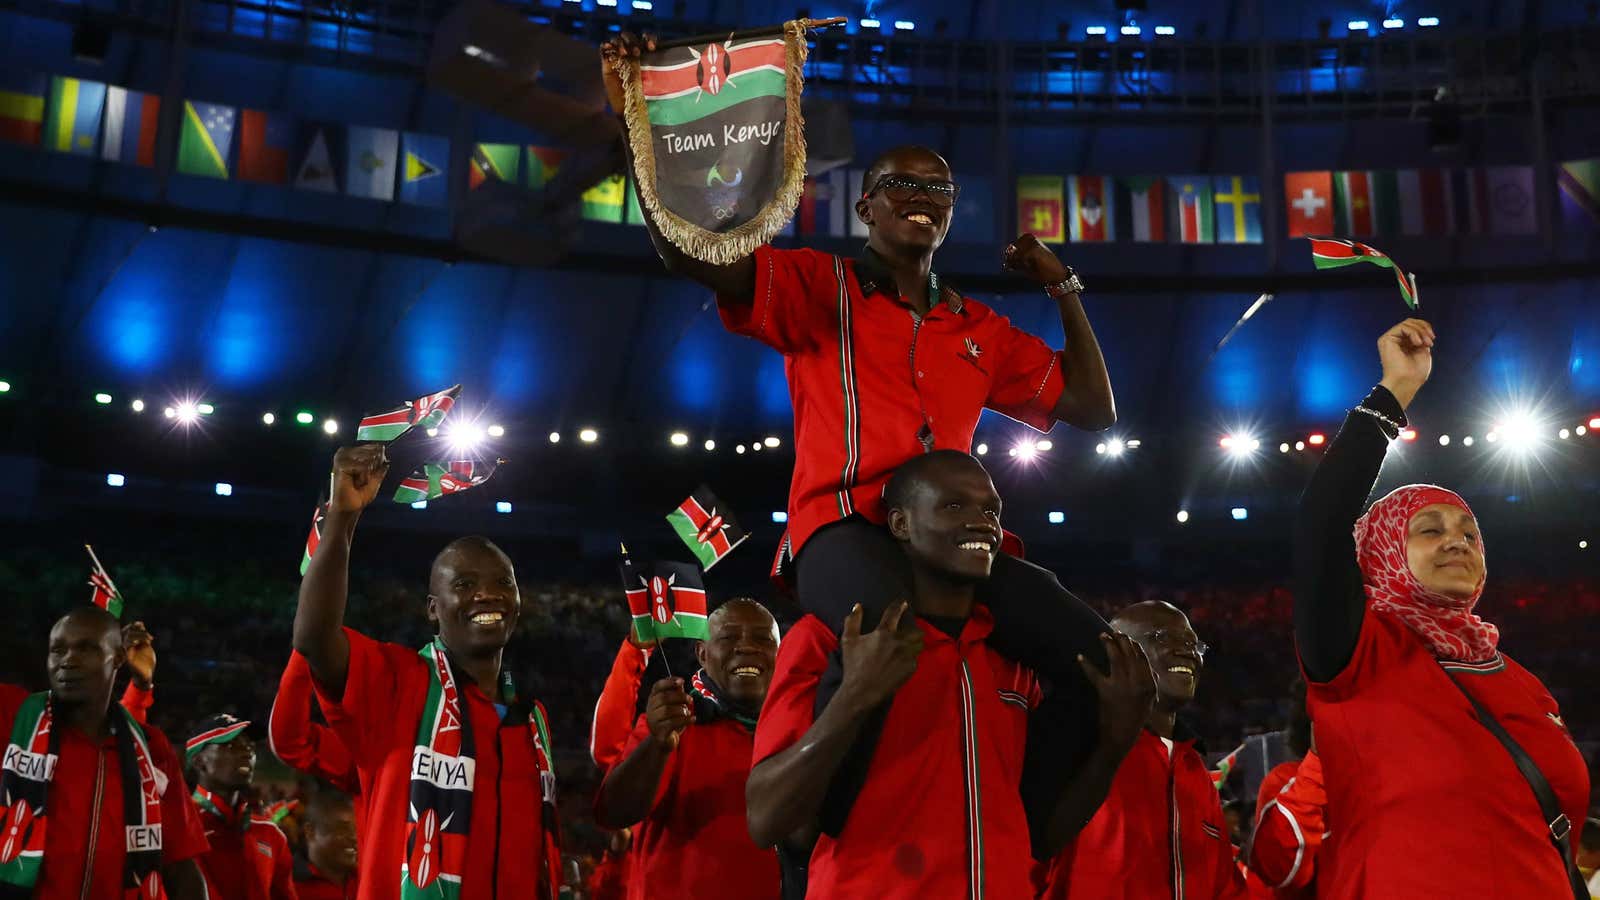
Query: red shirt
[[302, 744], [909, 836], [1289, 828], [1423, 800], [618, 704], [696, 838], [311, 884], [609, 880], [69, 856], [866, 374], [377, 718], [249, 857], [1159, 834]]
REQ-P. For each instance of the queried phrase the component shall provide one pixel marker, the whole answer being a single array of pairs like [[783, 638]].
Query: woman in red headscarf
[[1426, 800]]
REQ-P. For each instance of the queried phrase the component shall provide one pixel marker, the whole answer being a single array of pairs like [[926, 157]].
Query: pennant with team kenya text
[[706, 526]]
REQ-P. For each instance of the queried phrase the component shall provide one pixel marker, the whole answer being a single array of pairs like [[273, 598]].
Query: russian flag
[[131, 120]]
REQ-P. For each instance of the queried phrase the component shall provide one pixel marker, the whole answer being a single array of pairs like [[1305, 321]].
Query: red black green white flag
[[106, 596], [706, 526], [424, 412], [718, 142], [436, 479], [668, 602], [1330, 253], [315, 537]]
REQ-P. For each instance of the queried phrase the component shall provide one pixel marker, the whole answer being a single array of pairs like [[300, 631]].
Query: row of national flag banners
[[89, 118]]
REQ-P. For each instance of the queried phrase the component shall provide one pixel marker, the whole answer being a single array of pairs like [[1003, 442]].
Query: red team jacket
[[1160, 834], [1289, 830], [695, 844], [249, 858]]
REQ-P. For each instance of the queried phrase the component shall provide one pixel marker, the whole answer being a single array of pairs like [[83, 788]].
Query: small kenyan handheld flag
[[437, 479], [424, 412], [1224, 768], [106, 596], [671, 603], [706, 527], [315, 537], [1330, 253]]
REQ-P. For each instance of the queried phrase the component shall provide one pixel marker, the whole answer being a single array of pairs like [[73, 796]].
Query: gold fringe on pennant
[[723, 248]]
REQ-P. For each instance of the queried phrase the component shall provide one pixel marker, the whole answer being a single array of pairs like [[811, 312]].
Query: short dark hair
[[880, 162], [915, 472], [325, 801], [471, 540], [1591, 834]]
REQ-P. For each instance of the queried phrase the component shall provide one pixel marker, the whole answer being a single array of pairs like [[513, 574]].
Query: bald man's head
[[740, 651], [1176, 653], [85, 653]]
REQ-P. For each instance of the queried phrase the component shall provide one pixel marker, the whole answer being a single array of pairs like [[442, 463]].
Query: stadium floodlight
[[555, 437], [1240, 444], [1025, 451], [137, 405], [1300, 445], [1428, 22], [304, 417], [771, 441], [5, 387], [779, 516], [1166, 30], [1444, 440], [1466, 441], [330, 426], [1394, 23], [186, 413], [756, 446], [1594, 422], [115, 479], [739, 449], [588, 435], [710, 445], [1408, 435], [1095, 31], [1115, 446], [420, 504], [1183, 516], [643, 5], [465, 437], [1044, 445], [496, 431], [223, 489], [1316, 439], [1564, 434], [1358, 25], [1240, 514], [1134, 443], [502, 506], [1131, 30], [904, 25], [871, 24], [204, 409], [268, 418], [102, 398], [679, 439], [1057, 517], [1283, 448], [983, 449]]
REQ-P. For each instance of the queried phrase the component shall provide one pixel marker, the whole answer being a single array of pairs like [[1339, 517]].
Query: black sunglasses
[[901, 188]]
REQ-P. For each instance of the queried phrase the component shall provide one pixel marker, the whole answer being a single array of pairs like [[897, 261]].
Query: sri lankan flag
[[105, 595], [706, 526], [669, 603], [1329, 253], [424, 412], [314, 539], [436, 479], [719, 152]]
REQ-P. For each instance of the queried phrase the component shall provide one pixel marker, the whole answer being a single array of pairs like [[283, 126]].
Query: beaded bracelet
[[1390, 427]]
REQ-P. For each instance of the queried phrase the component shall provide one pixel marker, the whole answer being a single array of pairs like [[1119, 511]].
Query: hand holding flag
[[106, 596], [357, 475], [668, 712]]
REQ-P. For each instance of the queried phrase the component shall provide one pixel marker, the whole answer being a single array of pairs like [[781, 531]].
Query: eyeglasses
[[901, 188], [1174, 639]]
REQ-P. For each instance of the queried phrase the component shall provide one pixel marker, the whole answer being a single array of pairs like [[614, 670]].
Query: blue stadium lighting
[[904, 25], [1358, 25], [102, 398], [871, 24], [1057, 517], [780, 517], [1166, 30], [1095, 30], [502, 506], [1240, 514], [1394, 23], [1428, 22], [644, 5], [605, 2], [115, 479], [1131, 30], [224, 489], [420, 504]]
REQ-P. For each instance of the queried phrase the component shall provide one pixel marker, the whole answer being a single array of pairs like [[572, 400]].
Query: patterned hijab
[[1446, 624]]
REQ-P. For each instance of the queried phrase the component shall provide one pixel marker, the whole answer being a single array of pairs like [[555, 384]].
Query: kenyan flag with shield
[[718, 140]]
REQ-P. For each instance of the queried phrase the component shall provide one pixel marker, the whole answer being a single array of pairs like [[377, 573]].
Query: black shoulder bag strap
[[1560, 827]]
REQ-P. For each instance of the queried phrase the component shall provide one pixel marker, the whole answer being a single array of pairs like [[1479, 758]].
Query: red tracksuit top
[[1159, 835], [249, 857], [695, 843]]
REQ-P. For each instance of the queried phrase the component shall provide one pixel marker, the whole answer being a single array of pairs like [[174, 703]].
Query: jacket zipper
[[499, 776], [925, 435], [974, 785], [94, 826], [1177, 821]]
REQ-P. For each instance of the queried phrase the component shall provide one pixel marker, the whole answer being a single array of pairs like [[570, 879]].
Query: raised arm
[[784, 794], [302, 744], [735, 283], [1087, 401], [1126, 691], [1329, 597], [140, 648], [615, 711], [630, 789], [319, 619]]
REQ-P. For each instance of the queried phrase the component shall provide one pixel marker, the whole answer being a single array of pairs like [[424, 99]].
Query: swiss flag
[[1309, 196]]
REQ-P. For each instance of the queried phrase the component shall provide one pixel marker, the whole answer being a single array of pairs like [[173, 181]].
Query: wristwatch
[[1068, 285]]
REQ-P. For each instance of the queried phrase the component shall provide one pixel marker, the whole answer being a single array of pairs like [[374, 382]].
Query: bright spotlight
[[5, 387], [1240, 514], [1408, 435], [1594, 422], [1095, 30], [1583, 545], [432, 432], [303, 417], [1240, 445], [679, 439], [1492, 437], [1358, 25], [420, 504], [187, 413], [588, 435], [1444, 440], [756, 446], [780, 517], [871, 23], [1581, 430], [223, 489], [983, 449], [1130, 30], [170, 413], [138, 405], [1428, 22], [204, 409], [1300, 445], [1044, 445], [1564, 434], [1026, 451], [1183, 516], [739, 449], [115, 479], [1100, 448], [771, 441], [102, 398], [1394, 23], [466, 437], [268, 418], [1466, 441], [502, 506], [710, 445], [1283, 448], [1134, 443], [496, 431], [330, 426], [1166, 30], [904, 25], [1115, 446], [1316, 439], [555, 437], [1056, 517]]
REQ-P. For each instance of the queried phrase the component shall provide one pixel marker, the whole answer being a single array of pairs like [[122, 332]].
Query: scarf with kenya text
[[30, 764], [1446, 624], [443, 774], [709, 707]]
